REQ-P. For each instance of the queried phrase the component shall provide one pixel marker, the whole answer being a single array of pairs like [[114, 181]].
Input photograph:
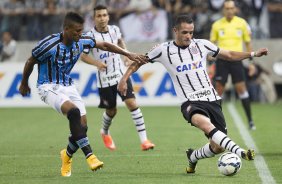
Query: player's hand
[[141, 59], [102, 66], [122, 87], [127, 61], [24, 89], [261, 52]]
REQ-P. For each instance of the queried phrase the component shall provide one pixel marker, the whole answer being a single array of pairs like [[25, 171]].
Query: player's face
[[229, 9], [74, 31], [101, 18], [183, 34]]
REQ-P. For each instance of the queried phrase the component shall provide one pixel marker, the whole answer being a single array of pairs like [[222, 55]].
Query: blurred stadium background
[[150, 23]]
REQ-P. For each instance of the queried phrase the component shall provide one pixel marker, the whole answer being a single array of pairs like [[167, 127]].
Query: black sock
[[87, 151], [83, 143], [78, 131], [247, 108]]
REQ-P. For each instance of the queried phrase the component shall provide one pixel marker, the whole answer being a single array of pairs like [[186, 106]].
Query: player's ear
[[174, 29]]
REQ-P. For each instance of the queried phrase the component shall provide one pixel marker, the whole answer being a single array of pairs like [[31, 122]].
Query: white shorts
[[55, 95]]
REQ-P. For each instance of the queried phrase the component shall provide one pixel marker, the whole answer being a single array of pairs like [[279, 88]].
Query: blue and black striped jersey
[[56, 60]]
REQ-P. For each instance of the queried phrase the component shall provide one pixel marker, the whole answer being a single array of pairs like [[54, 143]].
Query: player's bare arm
[[28, 68], [238, 56], [122, 85], [86, 58], [113, 48], [126, 60]]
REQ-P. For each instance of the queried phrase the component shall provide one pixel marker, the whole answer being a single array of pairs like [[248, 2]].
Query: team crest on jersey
[[194, 50]]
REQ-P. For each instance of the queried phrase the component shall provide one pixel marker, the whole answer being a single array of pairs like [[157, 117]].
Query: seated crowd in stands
[[34, 19]]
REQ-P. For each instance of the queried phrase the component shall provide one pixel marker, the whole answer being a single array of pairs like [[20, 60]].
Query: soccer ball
[[229, 164]]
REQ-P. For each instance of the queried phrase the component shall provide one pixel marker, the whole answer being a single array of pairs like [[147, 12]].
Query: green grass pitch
[[31, 139]]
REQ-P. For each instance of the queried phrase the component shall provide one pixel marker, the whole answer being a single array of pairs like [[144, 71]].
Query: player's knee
[[111, 112], [73, 114]]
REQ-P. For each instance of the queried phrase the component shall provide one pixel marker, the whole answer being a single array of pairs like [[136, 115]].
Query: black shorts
[[212, 110], [224, 68], [108, 95]]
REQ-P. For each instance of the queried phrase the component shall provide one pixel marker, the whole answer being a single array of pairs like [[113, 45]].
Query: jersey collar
[[102, 31], [182, 47]]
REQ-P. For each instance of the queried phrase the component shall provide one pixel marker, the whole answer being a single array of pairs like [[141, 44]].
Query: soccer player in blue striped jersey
[[55, 57], [185, 59], [111, 67]]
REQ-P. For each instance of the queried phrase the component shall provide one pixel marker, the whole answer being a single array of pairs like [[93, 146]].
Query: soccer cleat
[[66, 163], [191, 168], [108, 141], [94, 163], [146, 145], [248, 155], [252, 126]]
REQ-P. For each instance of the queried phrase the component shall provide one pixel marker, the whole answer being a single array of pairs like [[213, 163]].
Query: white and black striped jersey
[[115, 65], [187, 68]]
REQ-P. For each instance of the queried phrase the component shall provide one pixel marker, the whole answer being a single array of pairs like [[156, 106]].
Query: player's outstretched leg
[[225, 142]]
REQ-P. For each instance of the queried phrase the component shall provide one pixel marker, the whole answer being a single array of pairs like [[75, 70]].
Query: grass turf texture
[[31, 139]]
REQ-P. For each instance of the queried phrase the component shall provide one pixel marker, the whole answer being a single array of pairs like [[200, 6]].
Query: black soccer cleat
[[248, 155], [191, 168]]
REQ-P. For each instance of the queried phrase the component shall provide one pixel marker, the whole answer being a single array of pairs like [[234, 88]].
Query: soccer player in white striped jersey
[[110, 69], [185, 59]]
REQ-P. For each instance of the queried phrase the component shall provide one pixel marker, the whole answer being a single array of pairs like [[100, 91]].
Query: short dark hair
[[99, 7], [72, 17], [183, 19]]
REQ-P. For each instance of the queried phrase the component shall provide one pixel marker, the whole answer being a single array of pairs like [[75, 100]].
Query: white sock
[[138, 119], [203, 152], [106, 123], [221, 139]]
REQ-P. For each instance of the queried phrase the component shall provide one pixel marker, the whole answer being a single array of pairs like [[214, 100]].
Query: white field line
[[260, 164]]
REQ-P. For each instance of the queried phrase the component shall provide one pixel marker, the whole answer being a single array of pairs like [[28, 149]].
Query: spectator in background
[[259, 84], [34, 23], [117, 10], [256, 18], [8, 46], [275, 17], [166, 5], [12, 17], [52, 17]]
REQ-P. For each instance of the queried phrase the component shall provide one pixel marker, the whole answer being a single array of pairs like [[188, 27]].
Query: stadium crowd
[[34, 19]]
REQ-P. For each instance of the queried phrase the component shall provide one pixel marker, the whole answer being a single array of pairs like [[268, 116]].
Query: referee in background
[[230, 32]]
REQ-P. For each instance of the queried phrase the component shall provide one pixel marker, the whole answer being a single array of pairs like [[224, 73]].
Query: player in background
[[55, 56], [110, 69], [185, 60], [230, 32]]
